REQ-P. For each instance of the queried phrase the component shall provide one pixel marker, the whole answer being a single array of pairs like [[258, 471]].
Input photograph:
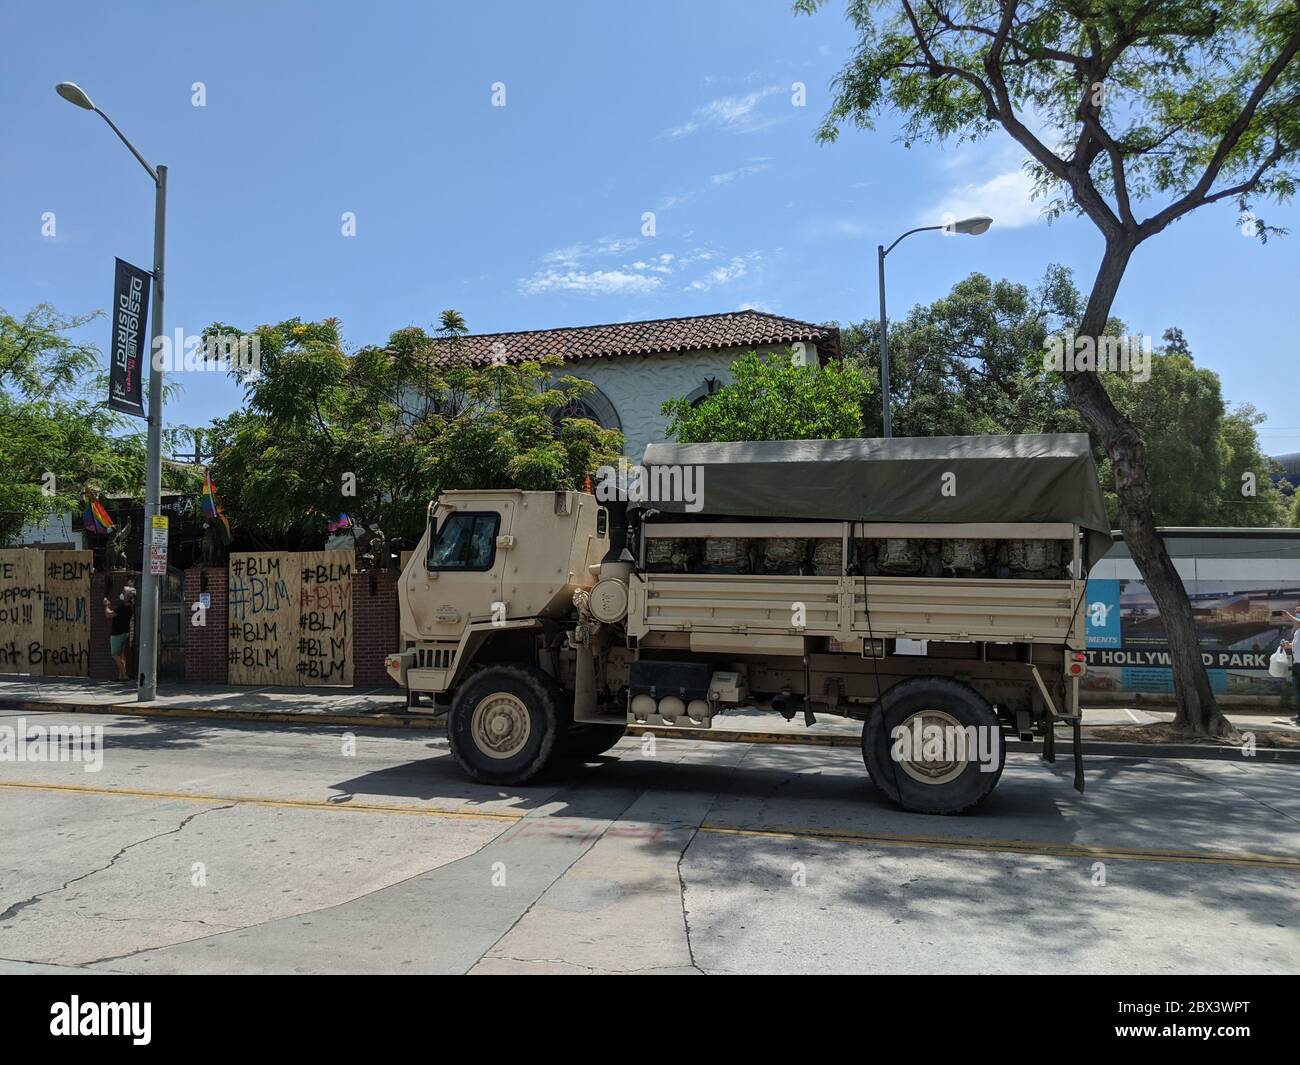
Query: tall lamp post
[[972, 226], [147, 683]]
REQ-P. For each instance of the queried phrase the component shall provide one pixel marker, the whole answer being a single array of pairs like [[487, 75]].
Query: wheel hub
[[500, 725], [921, 761]]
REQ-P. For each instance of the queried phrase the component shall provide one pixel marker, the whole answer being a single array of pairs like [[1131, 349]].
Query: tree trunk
[[1197, 712]]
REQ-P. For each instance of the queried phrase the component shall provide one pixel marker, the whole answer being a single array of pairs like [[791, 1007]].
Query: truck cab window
[[465, 542]]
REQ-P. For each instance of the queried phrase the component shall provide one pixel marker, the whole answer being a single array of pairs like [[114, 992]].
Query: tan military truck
[[929, 587]]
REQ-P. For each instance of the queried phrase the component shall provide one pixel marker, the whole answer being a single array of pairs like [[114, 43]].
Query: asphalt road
[[225, 847]]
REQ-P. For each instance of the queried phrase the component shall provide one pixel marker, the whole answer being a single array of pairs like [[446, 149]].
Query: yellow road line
[[1015, 846], [868, 839], [253, 800]]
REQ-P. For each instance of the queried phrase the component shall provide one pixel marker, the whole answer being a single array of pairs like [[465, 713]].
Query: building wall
[[206, 644], [374, 627], [55, 531], [637, 385]]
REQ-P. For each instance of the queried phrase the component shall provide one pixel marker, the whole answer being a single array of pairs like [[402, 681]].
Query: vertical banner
[[129, 348]]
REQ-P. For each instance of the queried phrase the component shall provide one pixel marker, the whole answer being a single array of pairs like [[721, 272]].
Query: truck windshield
[[466, 541]]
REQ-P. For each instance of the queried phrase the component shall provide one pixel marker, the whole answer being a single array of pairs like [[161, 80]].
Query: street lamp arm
[[122, 136], [918, 229]]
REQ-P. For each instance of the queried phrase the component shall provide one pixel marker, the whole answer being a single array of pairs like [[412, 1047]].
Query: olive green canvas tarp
[[1032, 478]]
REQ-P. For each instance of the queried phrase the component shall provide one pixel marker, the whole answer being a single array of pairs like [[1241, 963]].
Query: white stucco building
[[636, 366]]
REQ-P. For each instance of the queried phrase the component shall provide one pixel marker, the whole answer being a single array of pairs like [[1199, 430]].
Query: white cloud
[[1005, 197], [737, 268], [757, 166], [597, 282], [730, 114], [566, 270], [576, 253]]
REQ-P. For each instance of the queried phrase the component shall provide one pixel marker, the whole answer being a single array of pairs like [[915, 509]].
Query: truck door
[[463, 567]]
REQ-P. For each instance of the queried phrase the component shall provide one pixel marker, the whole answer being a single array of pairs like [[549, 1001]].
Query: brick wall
[[205, 645], [374, 627]]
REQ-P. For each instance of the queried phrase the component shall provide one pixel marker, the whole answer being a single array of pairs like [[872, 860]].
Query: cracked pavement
[[215, 847]]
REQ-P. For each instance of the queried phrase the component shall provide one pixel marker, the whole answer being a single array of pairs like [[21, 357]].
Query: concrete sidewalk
[[386, 708]]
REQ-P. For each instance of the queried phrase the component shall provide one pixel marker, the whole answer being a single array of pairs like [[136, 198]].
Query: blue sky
[[530, 215]]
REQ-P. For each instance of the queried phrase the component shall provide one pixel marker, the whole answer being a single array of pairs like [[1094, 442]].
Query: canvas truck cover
[[1047, 477]]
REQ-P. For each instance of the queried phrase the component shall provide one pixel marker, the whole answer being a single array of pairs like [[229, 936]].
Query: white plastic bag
[[1280, 664]]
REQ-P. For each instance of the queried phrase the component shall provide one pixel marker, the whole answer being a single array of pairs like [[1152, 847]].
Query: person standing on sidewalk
[[120, 633], [1293, 646]]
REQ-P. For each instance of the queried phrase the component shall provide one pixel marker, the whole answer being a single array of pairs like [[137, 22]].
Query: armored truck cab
[[931, 588]]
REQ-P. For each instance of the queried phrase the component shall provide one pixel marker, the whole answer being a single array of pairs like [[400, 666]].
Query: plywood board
[[325, 617], [262, 643], [22, 615], [67, 613]]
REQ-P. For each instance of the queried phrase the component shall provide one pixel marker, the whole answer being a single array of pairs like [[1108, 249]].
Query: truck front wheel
[[503, 724], [934, 746]]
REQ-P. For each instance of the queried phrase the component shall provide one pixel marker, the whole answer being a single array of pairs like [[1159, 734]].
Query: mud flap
[[1076, 727]]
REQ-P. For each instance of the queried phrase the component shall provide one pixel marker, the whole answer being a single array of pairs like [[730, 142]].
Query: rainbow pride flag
[[212, 509], [95, 519]]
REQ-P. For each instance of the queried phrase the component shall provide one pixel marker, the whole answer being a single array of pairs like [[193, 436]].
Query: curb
[[427, 723]]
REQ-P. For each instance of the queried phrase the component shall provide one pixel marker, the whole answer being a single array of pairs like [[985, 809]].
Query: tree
[[774, 398], [972, 363], [378, 433], [1167, 105], [60, 436]]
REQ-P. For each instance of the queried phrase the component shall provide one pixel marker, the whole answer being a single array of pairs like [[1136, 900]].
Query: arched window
[[593, 404]]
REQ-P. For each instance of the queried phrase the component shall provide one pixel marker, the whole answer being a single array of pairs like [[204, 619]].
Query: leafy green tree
[[1207, 467], [379, 432], [1166, 107], [972, 362], [60, 435], [774, 398]]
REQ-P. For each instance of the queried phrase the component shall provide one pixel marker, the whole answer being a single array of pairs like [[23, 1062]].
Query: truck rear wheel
[[934, 746], [503, 724]]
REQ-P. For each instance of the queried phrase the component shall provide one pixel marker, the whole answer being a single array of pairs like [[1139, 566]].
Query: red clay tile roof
[[739, 329]]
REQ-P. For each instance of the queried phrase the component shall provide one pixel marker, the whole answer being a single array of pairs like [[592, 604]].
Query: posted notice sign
[[158, 545], [130, 345]]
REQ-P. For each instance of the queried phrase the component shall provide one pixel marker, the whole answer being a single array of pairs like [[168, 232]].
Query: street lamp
[[970, 226], [147, 683]]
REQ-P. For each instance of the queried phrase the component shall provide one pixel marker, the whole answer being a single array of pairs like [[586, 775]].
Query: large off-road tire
[[588, 741], [944, 785], [504, 725]]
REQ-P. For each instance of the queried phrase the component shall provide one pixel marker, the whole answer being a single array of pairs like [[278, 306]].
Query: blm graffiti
[[325, 618], [261, 644], [67, 613], [45, 612], [290, 620]]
